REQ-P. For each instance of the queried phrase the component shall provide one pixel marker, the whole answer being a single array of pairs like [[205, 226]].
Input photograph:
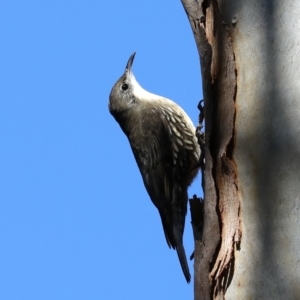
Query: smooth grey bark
[[261, 157], [267, 151]]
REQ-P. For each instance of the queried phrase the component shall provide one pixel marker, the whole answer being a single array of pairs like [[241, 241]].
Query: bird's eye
[[124, 87]]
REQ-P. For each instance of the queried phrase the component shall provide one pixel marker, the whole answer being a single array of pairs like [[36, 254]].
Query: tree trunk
[[250, 58]]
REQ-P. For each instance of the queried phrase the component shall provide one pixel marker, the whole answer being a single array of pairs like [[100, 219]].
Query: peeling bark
[[214, 256]]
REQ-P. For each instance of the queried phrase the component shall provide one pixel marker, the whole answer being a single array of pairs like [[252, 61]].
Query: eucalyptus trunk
[[250, 59]]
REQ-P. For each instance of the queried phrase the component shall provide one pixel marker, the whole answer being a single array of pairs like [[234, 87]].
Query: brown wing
[[154, 155]]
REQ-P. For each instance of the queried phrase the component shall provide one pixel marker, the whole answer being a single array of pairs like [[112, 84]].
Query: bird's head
[[122, 96]]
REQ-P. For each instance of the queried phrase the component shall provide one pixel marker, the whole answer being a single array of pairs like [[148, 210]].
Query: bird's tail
[[183, 262]]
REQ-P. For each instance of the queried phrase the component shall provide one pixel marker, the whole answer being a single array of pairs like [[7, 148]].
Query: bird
[[163, 141]]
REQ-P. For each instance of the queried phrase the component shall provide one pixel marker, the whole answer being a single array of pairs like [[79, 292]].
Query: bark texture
[[214, 256]]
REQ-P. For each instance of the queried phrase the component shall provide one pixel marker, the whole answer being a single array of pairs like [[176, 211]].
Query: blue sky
[[75, 219]]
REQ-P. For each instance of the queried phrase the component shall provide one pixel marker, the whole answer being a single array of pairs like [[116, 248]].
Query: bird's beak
[[129, 63]]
